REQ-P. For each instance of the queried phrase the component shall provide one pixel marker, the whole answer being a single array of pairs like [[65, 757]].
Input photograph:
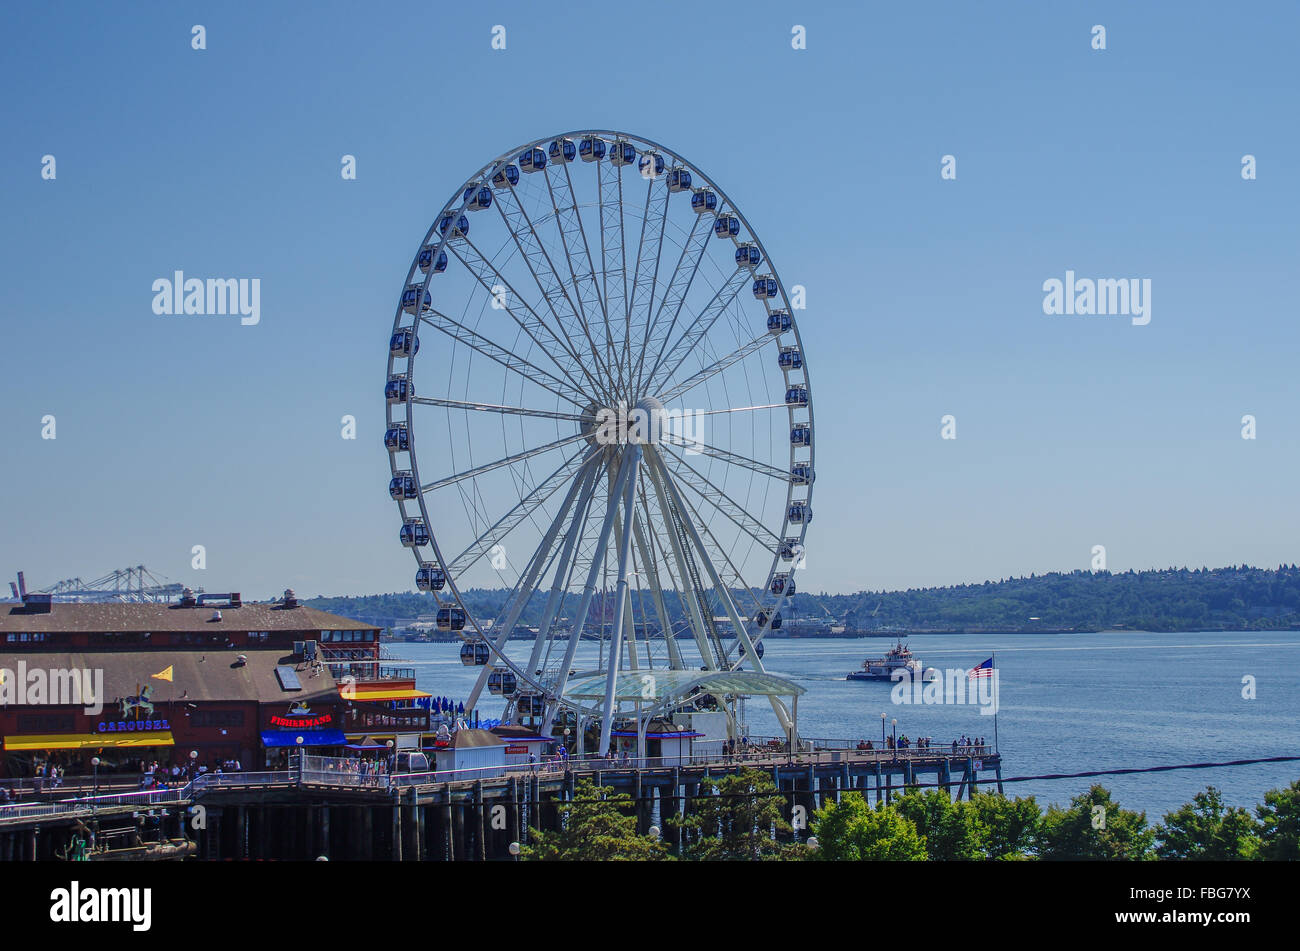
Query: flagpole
[[997, 701]]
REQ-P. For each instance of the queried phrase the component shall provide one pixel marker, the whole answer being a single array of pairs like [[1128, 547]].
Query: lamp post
[[94, 801], [882, 730], [194, 755], [895, 725]]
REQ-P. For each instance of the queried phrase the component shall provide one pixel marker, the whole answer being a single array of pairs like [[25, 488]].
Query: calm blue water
[[1069, 702]]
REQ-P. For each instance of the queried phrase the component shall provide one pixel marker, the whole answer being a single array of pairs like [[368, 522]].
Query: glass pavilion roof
[[657, 685]]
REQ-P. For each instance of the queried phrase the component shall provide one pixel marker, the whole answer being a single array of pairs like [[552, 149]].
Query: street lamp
[[94, 802], [882, 730], [895, 725], [812, 842], [514, 850]]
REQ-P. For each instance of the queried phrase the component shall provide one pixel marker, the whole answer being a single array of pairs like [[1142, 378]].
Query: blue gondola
[[507, 177], [398, 388], [414, 533], [778, 322], [761, 618], [765, 287], [402, 486], [748, 255], [502, 682], [790, 548], [796, 395], [531, 705], [802, 474], [459, 225], [704, 200], [622, 153], [799, 512], [679, 180], [474, 653], [562, 151], [451, 619], [726, 226], [404, 343], [532, 160], [801, 435], [396, 438], [591, 149], [411, 295], [782, 585], [790, 358], [477, 197], [651, 165], [430, 577], [427, 262]]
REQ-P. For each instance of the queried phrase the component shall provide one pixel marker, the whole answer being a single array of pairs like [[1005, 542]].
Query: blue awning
[[308, 737]]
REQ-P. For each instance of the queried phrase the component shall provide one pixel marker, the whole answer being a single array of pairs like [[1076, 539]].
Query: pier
[[322, 807]]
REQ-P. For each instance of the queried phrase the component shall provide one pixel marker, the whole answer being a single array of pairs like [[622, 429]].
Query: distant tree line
[[1175, 599]]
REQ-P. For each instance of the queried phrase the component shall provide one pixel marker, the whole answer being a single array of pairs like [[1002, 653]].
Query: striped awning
[[89, 741]]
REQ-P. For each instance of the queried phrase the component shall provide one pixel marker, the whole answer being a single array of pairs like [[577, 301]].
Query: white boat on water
[[898, 657]]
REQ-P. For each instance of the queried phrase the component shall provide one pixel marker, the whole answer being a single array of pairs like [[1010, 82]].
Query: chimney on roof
[[290, 599], [22, 586], [187, 598]]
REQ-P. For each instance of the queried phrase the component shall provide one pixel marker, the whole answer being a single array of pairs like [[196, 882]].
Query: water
[[1069, 703]]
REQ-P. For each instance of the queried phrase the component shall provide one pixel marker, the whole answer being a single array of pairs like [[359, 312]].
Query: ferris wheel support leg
[[562, 569], [656, 594], [692, 609], [628, 482], [742, 632], [588, 592], [530, 579]]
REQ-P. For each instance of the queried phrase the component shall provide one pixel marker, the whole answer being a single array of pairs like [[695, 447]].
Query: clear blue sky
[[924, 296]]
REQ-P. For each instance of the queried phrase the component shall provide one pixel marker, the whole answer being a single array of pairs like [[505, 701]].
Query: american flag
[[983, 670]]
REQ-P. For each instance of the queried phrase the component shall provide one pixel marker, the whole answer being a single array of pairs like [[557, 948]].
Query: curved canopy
[[659, 685]]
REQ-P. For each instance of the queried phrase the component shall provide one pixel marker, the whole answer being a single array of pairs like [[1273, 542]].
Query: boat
[[898, 657]]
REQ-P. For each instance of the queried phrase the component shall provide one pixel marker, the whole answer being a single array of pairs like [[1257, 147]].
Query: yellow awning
[[89, 741], [404, 694]]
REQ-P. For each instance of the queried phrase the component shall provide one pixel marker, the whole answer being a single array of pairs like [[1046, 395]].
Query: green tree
[[1010, 824], [736, 820], [851, 831], [951, 830], [1205, 829], [594, 828], [1279, 824], [1093, 827]]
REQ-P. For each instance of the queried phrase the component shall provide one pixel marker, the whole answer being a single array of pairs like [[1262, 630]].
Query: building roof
[[71, 616], [197, 675], [467, 738]]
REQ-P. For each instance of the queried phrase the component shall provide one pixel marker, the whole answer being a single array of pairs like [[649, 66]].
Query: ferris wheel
[[598, 403]]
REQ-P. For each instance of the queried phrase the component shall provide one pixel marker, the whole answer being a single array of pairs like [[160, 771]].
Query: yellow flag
[[165, 674]]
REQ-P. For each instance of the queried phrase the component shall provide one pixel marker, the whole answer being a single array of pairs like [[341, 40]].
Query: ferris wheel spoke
[[702, 324], [553, 289], [511, 361], [723, 455], [716, 367], [507, 461], [495, 283], [675, 294], [495, 408], [612, 255], [650, 559], [646, 271], [736, 579], [523, 509], [574, 237], [673, 463]]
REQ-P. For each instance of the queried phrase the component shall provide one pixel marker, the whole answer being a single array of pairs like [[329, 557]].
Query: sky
[[924, 294]]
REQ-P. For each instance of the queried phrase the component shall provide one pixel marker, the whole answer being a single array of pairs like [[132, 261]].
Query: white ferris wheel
[[598, 401]]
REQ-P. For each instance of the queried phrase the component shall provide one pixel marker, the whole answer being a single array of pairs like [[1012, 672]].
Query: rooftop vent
[[290, 599], [216, 616], [187, 598]]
